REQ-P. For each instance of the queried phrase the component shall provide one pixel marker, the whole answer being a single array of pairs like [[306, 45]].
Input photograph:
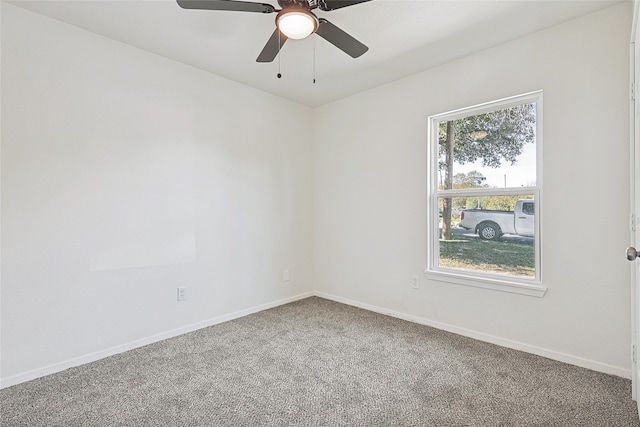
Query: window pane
[[491, 234], [492, 150]]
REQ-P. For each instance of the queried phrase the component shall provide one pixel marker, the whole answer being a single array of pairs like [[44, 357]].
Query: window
[[484, 195]]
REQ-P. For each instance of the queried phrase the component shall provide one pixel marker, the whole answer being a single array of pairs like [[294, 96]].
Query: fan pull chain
[[314, 60], [279, 53]]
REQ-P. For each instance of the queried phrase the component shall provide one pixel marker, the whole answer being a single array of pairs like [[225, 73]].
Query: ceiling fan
[[295, 20]]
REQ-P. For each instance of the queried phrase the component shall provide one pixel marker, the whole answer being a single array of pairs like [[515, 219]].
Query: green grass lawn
[[490, 256]]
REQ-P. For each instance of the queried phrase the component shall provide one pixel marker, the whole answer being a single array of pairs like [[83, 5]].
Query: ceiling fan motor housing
[[302, 4]]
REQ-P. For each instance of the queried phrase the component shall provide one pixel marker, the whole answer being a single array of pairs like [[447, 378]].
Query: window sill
[[534, 290]]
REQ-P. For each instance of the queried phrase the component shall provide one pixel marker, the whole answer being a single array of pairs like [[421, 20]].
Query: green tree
[[500, 203], [494, 137], [473, 179]]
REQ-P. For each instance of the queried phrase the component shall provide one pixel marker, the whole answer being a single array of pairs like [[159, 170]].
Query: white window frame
[[513, 284]]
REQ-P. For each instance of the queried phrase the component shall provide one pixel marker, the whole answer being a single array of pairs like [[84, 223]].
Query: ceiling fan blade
[[273, 46], [239, 6], [340, 39], [328, 5]]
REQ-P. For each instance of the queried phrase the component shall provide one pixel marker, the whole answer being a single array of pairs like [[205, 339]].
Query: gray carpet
[[319, 363]]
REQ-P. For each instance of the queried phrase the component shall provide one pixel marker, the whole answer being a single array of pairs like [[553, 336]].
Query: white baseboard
[[503, 342], [92, 357]]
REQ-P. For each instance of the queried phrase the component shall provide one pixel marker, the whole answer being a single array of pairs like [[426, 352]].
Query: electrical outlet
[[285, 276], [182, 294], [415, 284]]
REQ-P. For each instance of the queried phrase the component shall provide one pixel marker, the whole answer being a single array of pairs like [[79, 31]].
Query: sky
[[522, 174]]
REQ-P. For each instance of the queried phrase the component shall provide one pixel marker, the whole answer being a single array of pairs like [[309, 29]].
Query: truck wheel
[[489, 231]]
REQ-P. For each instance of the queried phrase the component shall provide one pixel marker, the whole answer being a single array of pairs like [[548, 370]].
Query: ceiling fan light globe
[[297, 24]]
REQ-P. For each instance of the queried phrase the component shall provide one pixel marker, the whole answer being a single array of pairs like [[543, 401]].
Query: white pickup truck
[[491, 225]]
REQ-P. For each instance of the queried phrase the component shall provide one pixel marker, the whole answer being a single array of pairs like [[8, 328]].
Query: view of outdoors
[[487, 155]]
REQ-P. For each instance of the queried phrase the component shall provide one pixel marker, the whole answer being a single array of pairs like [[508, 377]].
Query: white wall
[[126, 175], [370, 191]]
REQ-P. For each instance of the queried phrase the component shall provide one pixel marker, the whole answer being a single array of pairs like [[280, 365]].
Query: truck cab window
[[484, 186], [527, 208]]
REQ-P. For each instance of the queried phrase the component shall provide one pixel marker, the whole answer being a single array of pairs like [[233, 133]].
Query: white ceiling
[[404, 37]]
